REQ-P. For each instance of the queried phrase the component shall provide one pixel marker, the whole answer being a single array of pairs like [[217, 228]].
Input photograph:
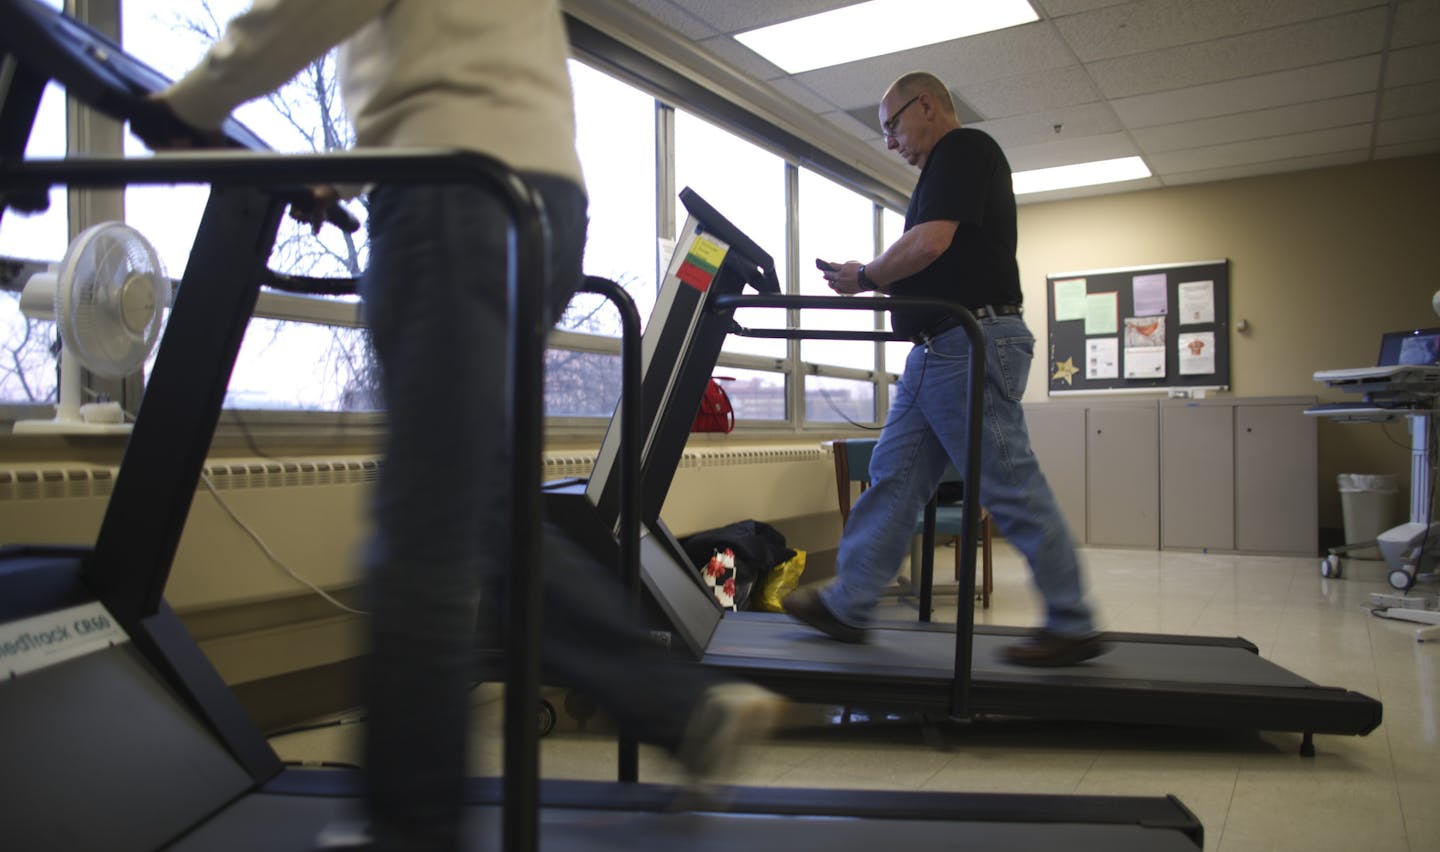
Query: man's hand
[[162, 130], [844, 278], [314, 212]]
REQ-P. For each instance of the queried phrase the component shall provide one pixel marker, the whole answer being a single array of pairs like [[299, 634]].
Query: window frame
[[88, 131]]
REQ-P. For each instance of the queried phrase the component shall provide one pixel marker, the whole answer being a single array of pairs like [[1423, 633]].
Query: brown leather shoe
[[1044, 648], [805, 604]]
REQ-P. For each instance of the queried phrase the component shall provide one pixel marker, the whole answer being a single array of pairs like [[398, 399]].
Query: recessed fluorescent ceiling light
[[1080, 174], [878, 27]]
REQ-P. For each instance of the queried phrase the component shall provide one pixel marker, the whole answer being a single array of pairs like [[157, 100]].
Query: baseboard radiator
[[71, 481], [255, 621]]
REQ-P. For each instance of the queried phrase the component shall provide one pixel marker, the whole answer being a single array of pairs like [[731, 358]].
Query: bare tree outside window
[[309, 109]]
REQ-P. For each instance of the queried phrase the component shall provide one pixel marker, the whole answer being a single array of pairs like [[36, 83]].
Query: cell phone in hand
[[825, 265]]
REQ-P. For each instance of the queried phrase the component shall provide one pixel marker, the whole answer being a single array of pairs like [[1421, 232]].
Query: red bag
[[715, 414]]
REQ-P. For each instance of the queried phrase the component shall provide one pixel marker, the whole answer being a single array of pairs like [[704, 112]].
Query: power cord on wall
[[269, 554]]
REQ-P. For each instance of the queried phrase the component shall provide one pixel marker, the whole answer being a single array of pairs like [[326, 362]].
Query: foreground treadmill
[[116, 730], [907, 666]]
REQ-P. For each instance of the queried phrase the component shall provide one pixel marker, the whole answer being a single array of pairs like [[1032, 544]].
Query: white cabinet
[[1226, 474]]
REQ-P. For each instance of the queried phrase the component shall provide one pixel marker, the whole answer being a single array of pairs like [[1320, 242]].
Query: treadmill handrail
[[970, 508]]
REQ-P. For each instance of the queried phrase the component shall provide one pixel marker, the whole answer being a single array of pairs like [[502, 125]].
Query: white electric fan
[[107, 295]]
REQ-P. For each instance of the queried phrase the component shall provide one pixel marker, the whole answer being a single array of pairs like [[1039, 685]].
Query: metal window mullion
[[794, 374], [87, 132], [830, 371], [665, 189], [574, 341], [759, 363]]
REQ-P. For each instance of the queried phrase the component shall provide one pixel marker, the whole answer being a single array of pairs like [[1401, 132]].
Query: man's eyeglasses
[[888, 128]]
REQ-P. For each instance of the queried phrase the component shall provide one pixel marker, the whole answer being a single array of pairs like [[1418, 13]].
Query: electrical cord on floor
[[269, 554], [317, 726]]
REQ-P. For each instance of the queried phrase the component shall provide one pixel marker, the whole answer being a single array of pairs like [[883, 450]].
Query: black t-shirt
[[966, 179]]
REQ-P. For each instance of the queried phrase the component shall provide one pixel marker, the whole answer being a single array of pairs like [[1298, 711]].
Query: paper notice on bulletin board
[[1150, 298], [1102, 313], [1070, 300], [1144, 347], [1197, 353], [1197, 302], [1102, 358]]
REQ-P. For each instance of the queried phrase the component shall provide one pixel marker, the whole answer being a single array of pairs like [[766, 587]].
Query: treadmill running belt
[[931, 653], [282, 823]]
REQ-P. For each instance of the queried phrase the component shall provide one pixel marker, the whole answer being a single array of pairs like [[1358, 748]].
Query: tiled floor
[[1251, 791]]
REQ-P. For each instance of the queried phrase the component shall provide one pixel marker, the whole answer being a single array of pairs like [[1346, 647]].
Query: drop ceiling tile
[[1293, 164], [1063, 152], [1259, 124], [802, 95], [675, 18], [1331, 80], [1403, 101], [1415, 128], [1135, 28], [1052, 126], [1061, 8], [1417, 22], [1410, 149], [1088, 191], [1048, 89], [738, 55], [847, 122], [1327, 40], [1413, 65], [1333, 141], [962, 62], [733, 16]]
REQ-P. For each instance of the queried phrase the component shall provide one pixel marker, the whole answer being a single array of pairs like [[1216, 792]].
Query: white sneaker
[[728, 716]]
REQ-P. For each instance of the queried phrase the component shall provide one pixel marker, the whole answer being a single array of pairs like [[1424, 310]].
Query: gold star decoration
[[1065, 370]]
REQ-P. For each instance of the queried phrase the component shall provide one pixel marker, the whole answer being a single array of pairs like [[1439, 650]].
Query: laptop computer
[[1406, 376], [1406, 357]]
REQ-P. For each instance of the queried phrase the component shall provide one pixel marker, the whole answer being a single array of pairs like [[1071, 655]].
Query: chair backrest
[[852, 464]]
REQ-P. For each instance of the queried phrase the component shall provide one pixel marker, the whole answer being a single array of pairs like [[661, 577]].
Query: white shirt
[[481, 75]]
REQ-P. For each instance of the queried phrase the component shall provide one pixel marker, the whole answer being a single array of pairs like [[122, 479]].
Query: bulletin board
[[1139, 328]]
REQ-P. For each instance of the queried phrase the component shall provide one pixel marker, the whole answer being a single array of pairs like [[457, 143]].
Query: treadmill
[[119, 734], [1153, 679]]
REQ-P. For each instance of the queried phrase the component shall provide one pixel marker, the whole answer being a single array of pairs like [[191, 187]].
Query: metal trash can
[[1369, 503]]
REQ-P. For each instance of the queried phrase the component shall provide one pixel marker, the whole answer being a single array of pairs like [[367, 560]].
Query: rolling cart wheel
[[547, 717], [1401, 580], [1331, 566]]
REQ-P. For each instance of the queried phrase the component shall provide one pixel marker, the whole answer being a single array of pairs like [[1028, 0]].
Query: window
[[28, 369], [746, 184], [615, 135], [837, 225], [308, 354], [291, 358], [892, 225]]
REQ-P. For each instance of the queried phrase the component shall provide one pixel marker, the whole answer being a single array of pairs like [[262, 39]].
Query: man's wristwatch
[[865, 282]]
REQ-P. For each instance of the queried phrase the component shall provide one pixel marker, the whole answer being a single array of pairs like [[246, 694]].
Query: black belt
[[951, 321]]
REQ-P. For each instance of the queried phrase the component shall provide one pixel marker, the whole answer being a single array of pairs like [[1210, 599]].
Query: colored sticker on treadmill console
[[702, 262]]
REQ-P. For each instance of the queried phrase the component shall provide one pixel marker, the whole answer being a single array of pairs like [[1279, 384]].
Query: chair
[[852, 464]]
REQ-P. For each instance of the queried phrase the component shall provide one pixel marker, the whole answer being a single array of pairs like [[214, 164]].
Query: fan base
[[69, 427]]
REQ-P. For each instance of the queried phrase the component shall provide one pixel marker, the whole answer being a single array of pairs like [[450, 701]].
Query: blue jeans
[[926, 429], [435, 299]]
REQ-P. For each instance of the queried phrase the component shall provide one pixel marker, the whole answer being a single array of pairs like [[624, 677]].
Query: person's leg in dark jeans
[[435, 297]]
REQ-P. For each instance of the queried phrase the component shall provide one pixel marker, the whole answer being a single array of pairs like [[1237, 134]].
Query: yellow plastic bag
[[781, 581]]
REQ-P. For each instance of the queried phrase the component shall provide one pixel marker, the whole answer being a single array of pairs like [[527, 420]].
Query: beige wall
[[1321, 263]]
